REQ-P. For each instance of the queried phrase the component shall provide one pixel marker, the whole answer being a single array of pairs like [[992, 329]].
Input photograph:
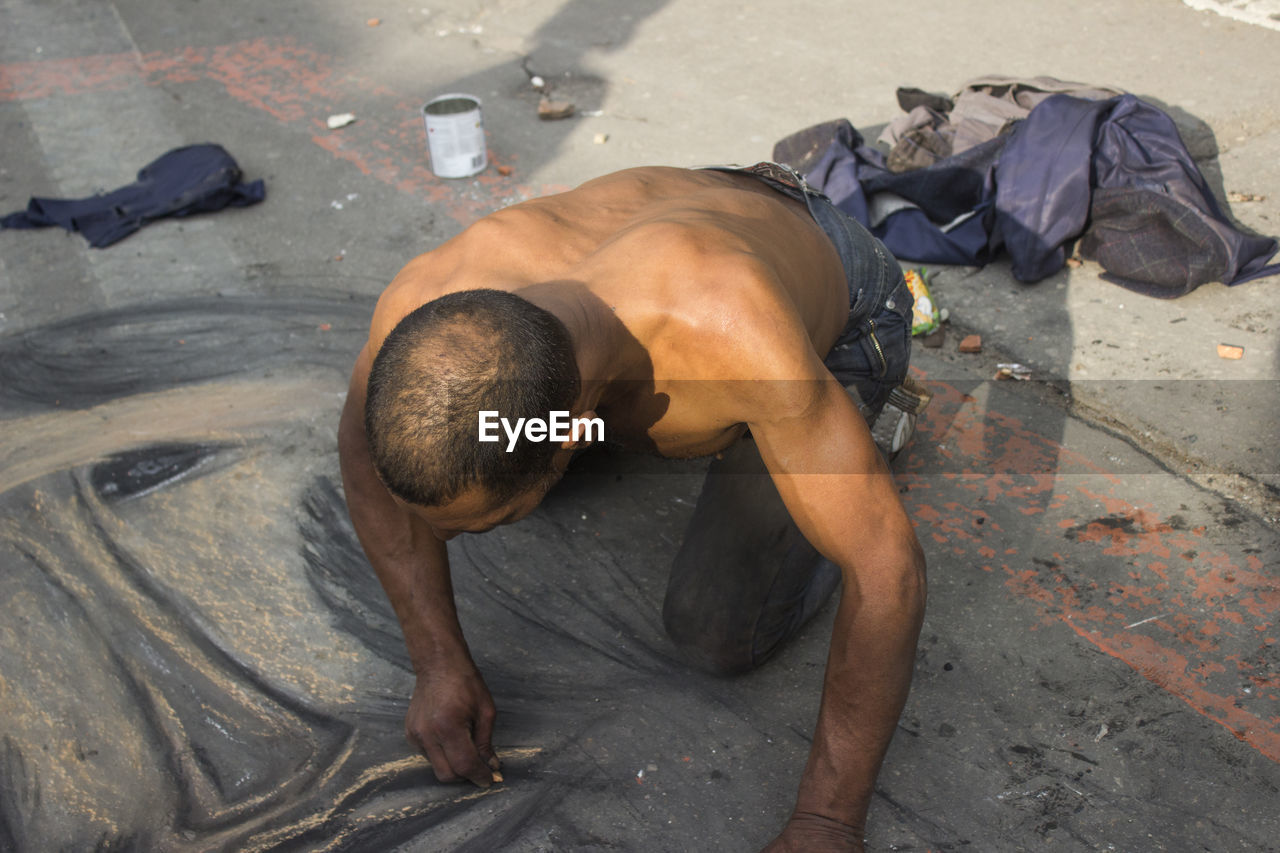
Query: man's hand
[[809, 833], [451, 719]]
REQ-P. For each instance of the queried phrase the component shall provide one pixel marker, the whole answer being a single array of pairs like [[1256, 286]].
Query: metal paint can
[[455, 135]]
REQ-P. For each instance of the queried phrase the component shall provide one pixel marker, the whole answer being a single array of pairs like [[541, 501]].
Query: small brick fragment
[[549, 110], [1230, 351], [971, 343], [504, 170]]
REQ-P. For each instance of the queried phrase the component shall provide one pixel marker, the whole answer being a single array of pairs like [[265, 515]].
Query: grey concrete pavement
[[1099, 667]]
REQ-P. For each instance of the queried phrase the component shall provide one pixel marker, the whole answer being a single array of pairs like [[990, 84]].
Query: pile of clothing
[[1030, 167]]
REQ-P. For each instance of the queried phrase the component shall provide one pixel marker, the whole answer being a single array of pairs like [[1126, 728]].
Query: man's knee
[[705, 641], [727, 632]]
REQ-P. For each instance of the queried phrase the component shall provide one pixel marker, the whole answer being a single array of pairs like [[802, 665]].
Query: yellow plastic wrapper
[[924, 311]]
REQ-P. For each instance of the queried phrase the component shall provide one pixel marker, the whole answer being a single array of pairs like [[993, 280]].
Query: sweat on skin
[[558, 426]]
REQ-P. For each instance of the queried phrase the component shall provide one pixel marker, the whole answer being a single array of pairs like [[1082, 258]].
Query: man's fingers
[[454, 756], [453, 725], [484, 741], [466, 761], [439, 763]]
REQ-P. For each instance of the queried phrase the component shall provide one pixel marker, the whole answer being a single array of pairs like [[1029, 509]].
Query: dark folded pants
[[745, 579]]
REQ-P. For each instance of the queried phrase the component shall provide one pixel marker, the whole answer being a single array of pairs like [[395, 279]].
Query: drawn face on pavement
[[194, 647]]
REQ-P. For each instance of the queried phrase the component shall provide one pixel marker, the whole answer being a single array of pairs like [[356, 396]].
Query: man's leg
[[745, 579]]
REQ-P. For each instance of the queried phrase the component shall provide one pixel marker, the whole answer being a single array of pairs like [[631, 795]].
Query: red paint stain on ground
[[1134, 582], [294, 85]]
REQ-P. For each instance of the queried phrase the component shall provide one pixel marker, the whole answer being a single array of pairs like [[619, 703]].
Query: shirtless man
[[606, 301]]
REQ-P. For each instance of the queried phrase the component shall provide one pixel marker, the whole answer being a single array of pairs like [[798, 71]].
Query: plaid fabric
[[1154, 223], [1160, 245]]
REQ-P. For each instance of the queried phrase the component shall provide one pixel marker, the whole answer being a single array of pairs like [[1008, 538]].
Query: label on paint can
[[455, 136]]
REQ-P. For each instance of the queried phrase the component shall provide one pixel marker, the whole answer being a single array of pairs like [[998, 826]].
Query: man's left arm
[[841, 494]]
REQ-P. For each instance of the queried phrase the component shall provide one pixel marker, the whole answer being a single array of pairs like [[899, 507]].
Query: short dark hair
[[443, 363]]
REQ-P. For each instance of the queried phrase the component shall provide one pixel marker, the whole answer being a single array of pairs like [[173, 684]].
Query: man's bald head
[[444, 363]]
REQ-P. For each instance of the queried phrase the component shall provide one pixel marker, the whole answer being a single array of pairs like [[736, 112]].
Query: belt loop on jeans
[[801, 183]]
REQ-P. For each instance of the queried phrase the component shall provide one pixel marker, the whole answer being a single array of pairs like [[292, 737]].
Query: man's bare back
[[636, 240], [698, 305]]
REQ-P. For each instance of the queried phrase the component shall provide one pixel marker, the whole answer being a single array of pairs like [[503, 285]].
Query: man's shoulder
[[707, 298], [737, 324]]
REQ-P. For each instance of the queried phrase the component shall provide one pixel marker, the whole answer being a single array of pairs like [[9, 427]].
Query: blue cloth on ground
[[194, 179]]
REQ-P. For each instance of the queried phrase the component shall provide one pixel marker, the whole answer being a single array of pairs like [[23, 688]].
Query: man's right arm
[[451, 713]]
